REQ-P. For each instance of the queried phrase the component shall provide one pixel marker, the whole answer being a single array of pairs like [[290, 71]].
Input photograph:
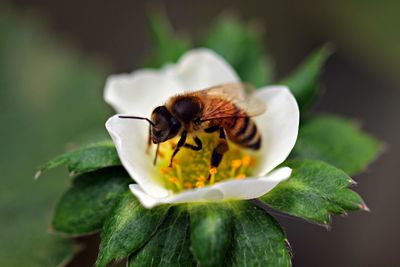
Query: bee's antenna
[[137, 118], [156, 156]]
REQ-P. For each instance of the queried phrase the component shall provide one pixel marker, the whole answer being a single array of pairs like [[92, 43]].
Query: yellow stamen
[[188, 185], [240, 176], [176, 182], [236, 163], [165, 170], [246, 160], [213, 170], [199, 184], [178, 171], [191, 169]]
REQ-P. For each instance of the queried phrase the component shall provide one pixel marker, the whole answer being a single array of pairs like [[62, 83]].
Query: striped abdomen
[[243, 131]]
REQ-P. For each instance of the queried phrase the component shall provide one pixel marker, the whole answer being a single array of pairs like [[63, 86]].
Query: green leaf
[[242, 46], [170, 246], [336, 141], [84, 207], [211, 228], [61, 253], [40, 78], [128, 228], [167, 45], [92, 157], [314, 190], [258, 238], [304, 81]]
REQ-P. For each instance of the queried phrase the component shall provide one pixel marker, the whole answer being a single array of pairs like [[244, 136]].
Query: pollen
[[200, 184], [174, 180], [188, 185], [246, 160], [236, 163], [240, 176], [191, 169], [165, 170], [213, 170]]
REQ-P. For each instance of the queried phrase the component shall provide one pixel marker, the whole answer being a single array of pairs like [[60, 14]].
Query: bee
[[226, 109]]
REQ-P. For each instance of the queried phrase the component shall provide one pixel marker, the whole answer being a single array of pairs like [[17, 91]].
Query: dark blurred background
[[55, 56]]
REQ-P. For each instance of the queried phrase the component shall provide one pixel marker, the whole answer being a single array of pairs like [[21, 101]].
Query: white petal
[[248, 188], [279, 127], [129, 137], [140, 92], [201, 68]]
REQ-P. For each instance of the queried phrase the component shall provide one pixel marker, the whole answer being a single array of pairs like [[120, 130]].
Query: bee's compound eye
[[175, 126], [156, 132]]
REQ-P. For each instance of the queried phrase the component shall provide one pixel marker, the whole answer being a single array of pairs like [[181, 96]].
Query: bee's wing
[[231, 100]]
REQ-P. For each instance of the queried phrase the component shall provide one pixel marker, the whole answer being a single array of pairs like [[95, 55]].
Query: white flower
[[140, 92]]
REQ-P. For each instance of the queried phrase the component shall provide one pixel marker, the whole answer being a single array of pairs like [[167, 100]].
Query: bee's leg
[[181, 142], [149, 141], [212, 129], [197, 147], [218, 152]]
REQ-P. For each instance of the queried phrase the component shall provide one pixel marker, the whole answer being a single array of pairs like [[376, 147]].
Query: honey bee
[[226, 109]]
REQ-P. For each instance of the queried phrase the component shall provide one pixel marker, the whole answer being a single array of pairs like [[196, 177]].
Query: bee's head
[[165, 125]]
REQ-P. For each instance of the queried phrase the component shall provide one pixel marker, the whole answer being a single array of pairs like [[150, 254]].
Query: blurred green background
[[56, 55]]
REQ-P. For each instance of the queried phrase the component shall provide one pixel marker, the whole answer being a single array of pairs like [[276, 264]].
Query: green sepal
[[314, 190], [167, 45], [304, 81], [242, 46], [210, 233], [89, 158], [337, 141], [128, 228], [84, 207], [258, 239], [170, 246]]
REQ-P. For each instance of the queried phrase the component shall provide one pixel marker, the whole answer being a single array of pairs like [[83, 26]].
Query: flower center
[[191, 169]]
